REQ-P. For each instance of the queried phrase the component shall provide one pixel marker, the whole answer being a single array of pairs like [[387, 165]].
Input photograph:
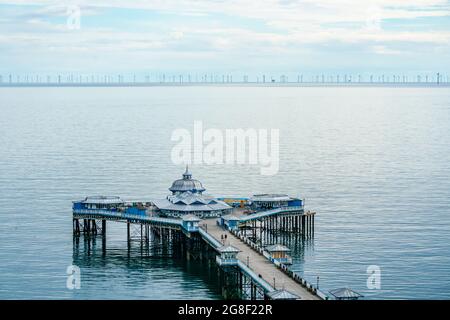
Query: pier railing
[[99, 214], [263, 283], [209, 238], [283, 267], [267, 213]]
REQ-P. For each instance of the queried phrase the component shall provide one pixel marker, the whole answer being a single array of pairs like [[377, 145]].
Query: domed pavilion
[[187, 198]]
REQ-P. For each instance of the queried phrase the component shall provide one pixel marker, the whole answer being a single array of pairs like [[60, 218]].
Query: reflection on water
[[143, 268]]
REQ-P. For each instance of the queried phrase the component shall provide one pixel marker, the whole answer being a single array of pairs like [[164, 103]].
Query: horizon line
[[227, 84]]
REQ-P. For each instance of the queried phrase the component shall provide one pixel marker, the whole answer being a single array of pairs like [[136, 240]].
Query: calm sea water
[[373, 162]]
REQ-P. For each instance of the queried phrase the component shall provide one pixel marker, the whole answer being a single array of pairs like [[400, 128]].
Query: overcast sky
[[219, 36]]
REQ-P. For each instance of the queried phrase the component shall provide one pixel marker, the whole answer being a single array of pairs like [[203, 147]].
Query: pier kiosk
[[228, 256], [231, 222], [278, 254], [345, 294], [190, 223], [282, 295], [272, 201]]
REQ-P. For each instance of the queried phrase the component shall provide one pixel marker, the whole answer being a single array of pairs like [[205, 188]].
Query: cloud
[[387, 51], [220, 29], [316, 11]]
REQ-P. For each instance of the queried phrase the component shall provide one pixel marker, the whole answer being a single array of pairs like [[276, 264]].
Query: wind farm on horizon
[[163, 79]]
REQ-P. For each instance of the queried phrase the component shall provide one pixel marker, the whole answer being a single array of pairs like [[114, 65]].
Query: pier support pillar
[[128, 233], [147, 234], [306, 225], [310, 225], [94, 227], [76, 227], [302, 225], [104, 235], [86, 226]]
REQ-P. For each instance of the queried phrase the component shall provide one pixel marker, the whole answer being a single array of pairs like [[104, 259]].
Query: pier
[[237, 239], [262, 275]]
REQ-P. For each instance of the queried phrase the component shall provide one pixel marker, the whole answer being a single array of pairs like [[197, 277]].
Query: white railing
[[213, 241], [122, 215], [267, 213], [263, 283]]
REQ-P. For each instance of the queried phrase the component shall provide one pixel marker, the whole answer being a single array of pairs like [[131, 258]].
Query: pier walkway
[[259, 264]]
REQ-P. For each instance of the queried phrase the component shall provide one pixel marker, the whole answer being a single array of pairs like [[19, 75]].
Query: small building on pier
[[282, 295], [190, 223], [228, 256], [272, 201], [96, 203], [345, 294], [230, 222], [187, 198], [278, 254], [109, 204]]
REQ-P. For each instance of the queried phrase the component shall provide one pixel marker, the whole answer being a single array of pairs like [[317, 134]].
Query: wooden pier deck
[[258, 263]]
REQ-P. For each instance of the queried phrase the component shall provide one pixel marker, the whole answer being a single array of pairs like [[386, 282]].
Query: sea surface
[[374, 163]]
